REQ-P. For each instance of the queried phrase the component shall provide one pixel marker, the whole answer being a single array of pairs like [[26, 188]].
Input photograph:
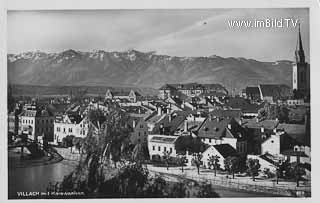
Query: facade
[[158, 144], [222, 151], [190, 89], [140, 130], [223, 130], [36, 123], [123, 95], [67, 125]]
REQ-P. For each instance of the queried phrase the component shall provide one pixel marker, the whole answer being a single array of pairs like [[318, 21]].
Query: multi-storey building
[[189, 89], [70, 124], [36, 123]]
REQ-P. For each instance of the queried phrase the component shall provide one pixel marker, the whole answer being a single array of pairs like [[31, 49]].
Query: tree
[[182, 160], [298, 172], [67, 141], [253, 166], [189, 143], [231, 163], [213, 162], [197, 160], [138, 153], [77, 142], [166, 158]]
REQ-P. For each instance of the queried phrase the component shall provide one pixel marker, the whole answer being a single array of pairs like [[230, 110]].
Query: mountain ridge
[[141, 69]]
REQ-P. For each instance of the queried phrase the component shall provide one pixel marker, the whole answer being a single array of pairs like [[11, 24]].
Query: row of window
[[82, 132], [27, 121], [47, 129], [164, 149]]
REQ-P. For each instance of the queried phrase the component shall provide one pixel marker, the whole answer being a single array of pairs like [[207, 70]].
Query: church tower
[[301, 72]]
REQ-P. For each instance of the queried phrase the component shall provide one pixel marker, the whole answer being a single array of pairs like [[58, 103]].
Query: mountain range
[[133, 68]]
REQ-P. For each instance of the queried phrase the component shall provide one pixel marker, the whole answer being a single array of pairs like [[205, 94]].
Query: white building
[[65, 125], [158, 144]]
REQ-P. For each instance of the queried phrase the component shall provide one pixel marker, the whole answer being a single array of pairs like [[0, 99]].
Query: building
[[189, 89], [252, 93], [221, 150], [130, 96], [139, 132], [301, 70], [158, 144], [69, 125], [36, 123], [223, 130], [273, 92]]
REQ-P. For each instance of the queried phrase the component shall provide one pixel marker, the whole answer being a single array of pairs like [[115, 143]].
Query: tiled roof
[[228, 113], [177, 117], [163, 139], [214, 128], [226, 150]]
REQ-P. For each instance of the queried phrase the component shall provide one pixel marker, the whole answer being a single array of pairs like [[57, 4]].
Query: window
[[139, 134], [42, 121], [153, 148], [165, 149], [64, 130], [209, 140], [31, 121], [170, 150], [272, 141], [159, 148], [46, 121]]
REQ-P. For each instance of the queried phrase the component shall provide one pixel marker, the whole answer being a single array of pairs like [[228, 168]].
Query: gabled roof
[[226, 150]]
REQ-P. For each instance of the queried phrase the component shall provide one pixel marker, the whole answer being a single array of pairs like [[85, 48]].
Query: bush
[[268, 173]]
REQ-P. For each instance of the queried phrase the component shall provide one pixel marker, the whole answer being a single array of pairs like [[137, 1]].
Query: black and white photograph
[[158, 103]]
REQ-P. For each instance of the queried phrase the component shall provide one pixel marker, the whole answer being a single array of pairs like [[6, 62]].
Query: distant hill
[[142, 70]]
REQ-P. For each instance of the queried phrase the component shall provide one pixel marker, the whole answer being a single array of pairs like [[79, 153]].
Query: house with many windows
[[70, 125]]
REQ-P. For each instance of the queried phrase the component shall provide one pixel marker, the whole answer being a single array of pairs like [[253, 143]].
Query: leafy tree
[[138, 153], [77, 142], [298, 172], [253, 166], [213, 162], [197, 160], [178, 190], [67, 141], [182, 160], [189, 143], [231, 164], [166, 158]]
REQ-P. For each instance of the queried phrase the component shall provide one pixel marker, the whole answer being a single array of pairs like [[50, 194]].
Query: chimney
[[168, 110], [229, 126], [257, 120], [240, 121], [170, 117], [262, 129]]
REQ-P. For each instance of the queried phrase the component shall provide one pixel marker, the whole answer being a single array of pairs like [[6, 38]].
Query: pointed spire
[[300, 58]]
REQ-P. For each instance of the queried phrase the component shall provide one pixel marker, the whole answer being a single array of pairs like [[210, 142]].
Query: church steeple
[[299, 53]]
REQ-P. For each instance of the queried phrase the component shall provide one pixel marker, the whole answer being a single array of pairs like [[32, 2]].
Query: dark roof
[[177, 117], [36, 113], [267, 124], [163, 139], [252, 90], [276, 91], [244, 105], [291, 152], [194, 86], [226, 150], [216, 128], [226, 113], [75, 118]]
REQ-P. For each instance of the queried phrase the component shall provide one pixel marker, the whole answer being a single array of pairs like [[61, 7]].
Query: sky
[[184, 32]]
